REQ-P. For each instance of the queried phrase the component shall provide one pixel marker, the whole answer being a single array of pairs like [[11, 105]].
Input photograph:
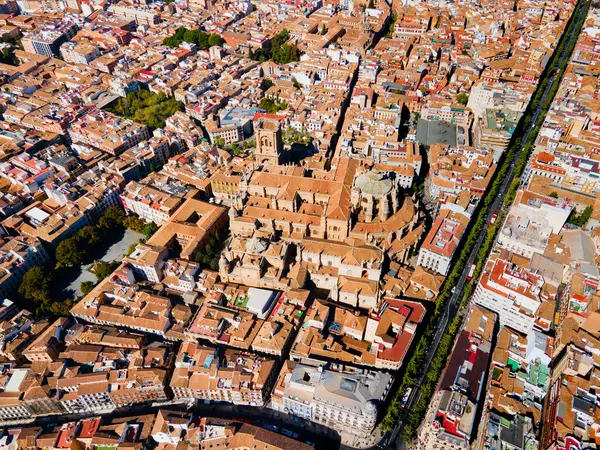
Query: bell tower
[[269, 143]]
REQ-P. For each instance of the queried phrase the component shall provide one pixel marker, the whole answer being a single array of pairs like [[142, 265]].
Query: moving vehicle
[[405, 399], [471, 272]]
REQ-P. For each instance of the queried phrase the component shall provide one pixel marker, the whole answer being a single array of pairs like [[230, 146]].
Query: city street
[[322, 437], [452, 305]]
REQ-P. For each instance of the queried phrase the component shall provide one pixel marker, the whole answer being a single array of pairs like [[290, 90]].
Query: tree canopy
[[581, 219], [203, 40], [103, 269], [35, 285], [272, 106], [86, 287], [136, 224], [35, 288], [277, 50], [208, 256], [462, 98], [70, 253], [147, 108]]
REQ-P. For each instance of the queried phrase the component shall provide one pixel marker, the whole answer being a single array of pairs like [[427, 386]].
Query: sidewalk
[[362, 442]]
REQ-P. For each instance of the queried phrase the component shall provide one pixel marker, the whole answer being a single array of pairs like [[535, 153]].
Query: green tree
[[102, 269], [390, 31], [323, 30], [554, 194], [114, 215], [70, 253], [371, 4], [90, 235], [86, 287], [134, 223], [271, 106], [35, 285], [180, 33], [146, 107], [203, 41], [171, 42], [580, 220], [57, 308], [149, 229], [236, 149], [283, 36], [191, 36], [219, 141], [214, 39], [7, 56], [286, 53], [462, 98], [292, 136], [266, 84]]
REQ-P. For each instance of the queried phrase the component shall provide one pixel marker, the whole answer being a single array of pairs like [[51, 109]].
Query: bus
[[471, 272]]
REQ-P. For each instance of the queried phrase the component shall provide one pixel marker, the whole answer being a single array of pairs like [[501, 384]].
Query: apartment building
[[140, 14], [518, 380], [48, 39], [449, 112], [86, 393], [107, 132], [117, 301], [147, 262], [11, 406], [79, 53], [148, 203], [496, 127], [48, 221], [531, 222], [457, 169], [345, 399], [228, 133], [233, 376], [380, 340], [513, 292], [441, 242]]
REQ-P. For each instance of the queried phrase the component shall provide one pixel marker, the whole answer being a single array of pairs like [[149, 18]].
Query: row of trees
[[277, 50], [203, 40], [419, 357], [146, 107]]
